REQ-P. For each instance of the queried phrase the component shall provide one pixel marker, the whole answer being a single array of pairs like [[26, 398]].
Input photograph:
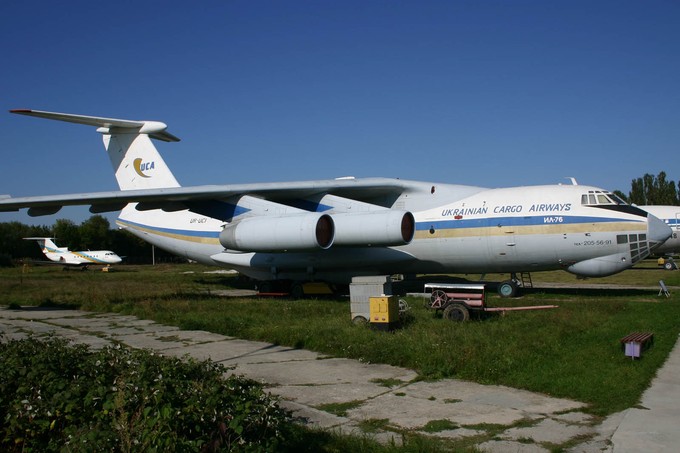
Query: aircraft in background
[[671, 216], [333, 230], [62, 255]]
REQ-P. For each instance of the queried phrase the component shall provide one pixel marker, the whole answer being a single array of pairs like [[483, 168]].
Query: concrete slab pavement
[[343, 394]]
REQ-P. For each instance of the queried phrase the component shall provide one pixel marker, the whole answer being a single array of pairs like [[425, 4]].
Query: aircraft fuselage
[[458, 229]]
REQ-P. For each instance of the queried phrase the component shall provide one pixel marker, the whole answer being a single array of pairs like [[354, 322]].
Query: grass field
[[572, 351]]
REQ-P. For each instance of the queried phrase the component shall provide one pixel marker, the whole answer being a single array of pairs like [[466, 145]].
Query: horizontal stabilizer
[[154, 129]]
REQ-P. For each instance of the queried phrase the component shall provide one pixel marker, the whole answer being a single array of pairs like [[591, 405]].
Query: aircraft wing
[[379, 191]]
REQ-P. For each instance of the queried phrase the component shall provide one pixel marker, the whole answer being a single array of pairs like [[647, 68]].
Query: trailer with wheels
[[456, 301]]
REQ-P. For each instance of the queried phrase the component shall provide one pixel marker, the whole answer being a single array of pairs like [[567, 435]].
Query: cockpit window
[[617, 199], [598, 197]]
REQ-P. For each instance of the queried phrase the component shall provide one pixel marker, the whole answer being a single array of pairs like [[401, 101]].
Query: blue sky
[[487, 93]]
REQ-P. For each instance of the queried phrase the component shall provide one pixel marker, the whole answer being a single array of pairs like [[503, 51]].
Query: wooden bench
[[634, 343]]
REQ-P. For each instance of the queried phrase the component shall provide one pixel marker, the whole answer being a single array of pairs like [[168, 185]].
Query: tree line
[[96, 233], [652, 190]]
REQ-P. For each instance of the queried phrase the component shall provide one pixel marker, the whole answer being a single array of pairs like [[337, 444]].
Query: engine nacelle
[[311, 231], [601, 266], [376, 228]]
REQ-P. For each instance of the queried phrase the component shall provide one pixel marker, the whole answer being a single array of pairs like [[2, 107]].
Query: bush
[[6, 260], [55, 395]]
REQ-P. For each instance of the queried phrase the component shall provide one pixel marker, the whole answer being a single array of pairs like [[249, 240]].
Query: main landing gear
[[512, 287], [508, 288]]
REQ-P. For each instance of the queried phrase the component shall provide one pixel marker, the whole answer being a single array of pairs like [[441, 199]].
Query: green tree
[[653, 190], [666, 191], [95, 233], [13, 247], [67, 234]]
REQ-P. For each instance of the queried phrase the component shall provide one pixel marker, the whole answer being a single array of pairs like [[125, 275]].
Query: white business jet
[[62, 255], [332, 230]]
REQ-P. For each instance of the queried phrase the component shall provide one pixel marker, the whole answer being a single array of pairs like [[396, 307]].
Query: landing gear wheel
[[507, 288], [456, 312], [297, 291], [668, 265], [265, 287], [438, 299]]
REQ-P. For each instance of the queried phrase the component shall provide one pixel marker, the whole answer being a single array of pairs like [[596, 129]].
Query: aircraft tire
[[508, 288], [668, 266], [264, 287], [297, 290], [456, 312]]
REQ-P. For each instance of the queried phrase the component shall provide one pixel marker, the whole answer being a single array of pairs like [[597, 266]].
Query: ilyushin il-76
[[333, 230]]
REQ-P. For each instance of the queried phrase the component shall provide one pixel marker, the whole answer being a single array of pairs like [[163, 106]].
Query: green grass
[[340, 409], [435, 426], [572, 351]]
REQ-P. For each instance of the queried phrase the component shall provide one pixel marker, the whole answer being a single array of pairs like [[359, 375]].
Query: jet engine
[[311, 231], [376, 228]]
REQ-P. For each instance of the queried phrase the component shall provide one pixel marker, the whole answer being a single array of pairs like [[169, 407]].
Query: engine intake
[[311, 231]]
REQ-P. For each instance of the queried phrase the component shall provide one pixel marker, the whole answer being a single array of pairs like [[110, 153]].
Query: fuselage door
[[502, 245]]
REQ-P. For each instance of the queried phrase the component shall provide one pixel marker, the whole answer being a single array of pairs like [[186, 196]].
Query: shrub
[[55, 395], [6, 260]]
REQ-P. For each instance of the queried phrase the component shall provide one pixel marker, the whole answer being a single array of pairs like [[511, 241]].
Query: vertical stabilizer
[[136, 162], [49, 248]]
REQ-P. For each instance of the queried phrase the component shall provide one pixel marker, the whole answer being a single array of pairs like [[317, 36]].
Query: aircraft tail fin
[[48, 247], [135, 160]]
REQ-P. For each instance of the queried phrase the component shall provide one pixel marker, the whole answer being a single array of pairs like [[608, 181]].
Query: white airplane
[[671, 216], [332, 230], [63, 255]]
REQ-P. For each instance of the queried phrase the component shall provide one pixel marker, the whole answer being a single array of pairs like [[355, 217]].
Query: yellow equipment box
[[384, 312]]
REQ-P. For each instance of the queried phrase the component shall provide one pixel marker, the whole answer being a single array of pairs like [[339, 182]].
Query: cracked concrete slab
[[548, 431], [505, 446]]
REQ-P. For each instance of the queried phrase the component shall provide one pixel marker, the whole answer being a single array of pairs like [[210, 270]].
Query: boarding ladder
[[525, 279]]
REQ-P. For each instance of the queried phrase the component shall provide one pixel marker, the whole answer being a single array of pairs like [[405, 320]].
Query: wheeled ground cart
[[457, 300]]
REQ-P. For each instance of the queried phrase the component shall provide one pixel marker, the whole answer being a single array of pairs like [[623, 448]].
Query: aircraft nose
[[657, 230]]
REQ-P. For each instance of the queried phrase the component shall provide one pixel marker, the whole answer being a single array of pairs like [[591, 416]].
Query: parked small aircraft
[[62, 255], [670, 215], [332, 230]]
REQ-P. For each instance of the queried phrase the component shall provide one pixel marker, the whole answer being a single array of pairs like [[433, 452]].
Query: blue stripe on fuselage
[[514, 221], [174, 231]]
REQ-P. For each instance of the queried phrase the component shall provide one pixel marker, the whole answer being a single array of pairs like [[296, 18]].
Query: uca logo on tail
[[141, 167]]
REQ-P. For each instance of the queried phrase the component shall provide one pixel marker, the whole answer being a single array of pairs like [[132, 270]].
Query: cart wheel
[[403, 306], [507, 288], [456, 312], [438, 299]]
